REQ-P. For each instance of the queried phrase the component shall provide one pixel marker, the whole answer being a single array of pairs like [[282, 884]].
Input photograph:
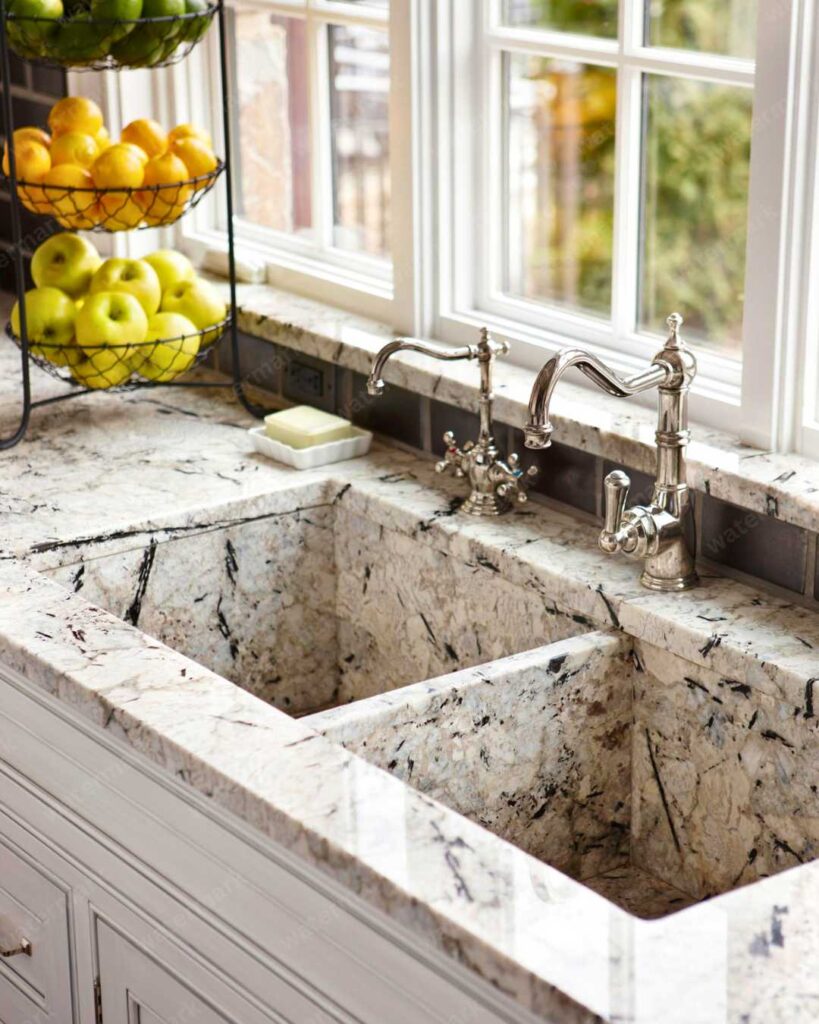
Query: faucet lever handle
[[453, 460], [616, 488]]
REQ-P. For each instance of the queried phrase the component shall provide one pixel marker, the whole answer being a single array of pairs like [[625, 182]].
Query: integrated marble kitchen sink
[[653, 781], [309, 601]]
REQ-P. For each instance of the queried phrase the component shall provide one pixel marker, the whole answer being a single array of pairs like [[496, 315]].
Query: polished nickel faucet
[[660, 533], [495, 483]]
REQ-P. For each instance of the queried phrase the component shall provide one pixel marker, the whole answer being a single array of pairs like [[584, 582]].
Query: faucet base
[[675, 584], [480, 504]]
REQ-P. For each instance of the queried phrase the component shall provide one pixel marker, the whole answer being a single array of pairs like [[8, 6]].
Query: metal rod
[[238, 382], [16, 234]]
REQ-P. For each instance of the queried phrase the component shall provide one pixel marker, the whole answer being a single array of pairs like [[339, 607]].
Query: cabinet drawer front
[[35, 906]]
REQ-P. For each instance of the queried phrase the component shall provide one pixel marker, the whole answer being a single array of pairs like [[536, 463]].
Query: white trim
[[471, 179], [315, 267], [775, 214]]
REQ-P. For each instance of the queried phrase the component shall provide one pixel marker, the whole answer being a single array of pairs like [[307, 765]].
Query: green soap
[[304, 427]]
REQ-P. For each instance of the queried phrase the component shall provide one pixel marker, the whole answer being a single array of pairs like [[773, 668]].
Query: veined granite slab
[[105, 476], [601, 756], [552, 944], [307, 604]]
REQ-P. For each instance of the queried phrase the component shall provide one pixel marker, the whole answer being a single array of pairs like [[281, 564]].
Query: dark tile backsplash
[[396, 413], [565, 474], [464, 425], [755, 544]]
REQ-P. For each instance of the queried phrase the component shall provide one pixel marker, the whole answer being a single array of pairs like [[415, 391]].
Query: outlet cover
[[309, 381]]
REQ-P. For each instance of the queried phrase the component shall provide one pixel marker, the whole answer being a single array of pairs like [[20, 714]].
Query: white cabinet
[[34, 910], [132, 886]]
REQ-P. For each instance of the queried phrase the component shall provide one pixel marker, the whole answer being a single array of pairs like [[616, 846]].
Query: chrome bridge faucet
[[660, 533], [495, 484]]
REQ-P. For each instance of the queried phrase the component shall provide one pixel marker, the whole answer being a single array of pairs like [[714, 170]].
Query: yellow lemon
[[120, 166], [185, 131], [73, 209], [103, 139], [31, 160], [34, 198], [138, 152], [121, 210], [148, 134], [25, 135], [74, 148], [196, 156], [75, 114], [164, 205]]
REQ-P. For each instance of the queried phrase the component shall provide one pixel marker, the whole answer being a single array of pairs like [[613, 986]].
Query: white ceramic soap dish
[[319, 455]]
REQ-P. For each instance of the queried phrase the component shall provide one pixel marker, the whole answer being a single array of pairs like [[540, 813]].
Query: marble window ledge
[[785, 487]]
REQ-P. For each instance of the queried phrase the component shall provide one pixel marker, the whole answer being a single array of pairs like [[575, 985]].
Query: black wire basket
[[123, 367], [117, 209], [86, 42]]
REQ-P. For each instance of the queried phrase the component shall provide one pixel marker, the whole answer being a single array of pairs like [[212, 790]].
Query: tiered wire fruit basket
[[86, 40]]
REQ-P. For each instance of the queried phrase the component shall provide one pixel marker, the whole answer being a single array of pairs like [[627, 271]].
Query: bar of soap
[[305, 427]]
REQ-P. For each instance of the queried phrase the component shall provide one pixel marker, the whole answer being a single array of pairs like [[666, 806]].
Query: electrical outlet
[[310, 381]]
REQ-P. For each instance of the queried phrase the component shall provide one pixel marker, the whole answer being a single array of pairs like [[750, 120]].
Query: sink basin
[[651, 780], [310, 603]]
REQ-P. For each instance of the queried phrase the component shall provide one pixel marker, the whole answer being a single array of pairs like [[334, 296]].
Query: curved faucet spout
[[375, 383], [538, 431]]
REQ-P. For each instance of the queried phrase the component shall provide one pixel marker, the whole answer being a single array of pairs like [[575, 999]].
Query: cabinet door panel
[[137, 990], [34, 906]]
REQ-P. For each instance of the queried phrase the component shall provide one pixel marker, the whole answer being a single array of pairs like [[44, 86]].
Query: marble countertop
[[109, 470]]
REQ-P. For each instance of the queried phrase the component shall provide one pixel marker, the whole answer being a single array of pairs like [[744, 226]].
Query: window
[[310, 83], [567, 171]]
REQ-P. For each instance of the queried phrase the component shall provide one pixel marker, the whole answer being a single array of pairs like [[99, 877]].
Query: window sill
[[785, 487]]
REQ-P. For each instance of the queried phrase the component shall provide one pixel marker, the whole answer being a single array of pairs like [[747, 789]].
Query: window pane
[[359, 104], [695, 207], [273, 147], [727, 26], [591, 17], [560, 181]]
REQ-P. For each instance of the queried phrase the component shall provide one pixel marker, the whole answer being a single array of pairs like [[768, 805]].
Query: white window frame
[[470, 78], [445, 58], [347, 279]]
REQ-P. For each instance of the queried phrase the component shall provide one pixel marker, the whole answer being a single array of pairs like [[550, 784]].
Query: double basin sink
[[651, 780]]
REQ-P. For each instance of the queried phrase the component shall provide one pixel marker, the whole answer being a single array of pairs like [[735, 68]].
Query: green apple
[[50, 316], [33, 36], [104, 368], [177, 343], [200, 302], [136, 277], [148, 42], [65, 261], [111, 319], [79, 40], [171, 267], [119, 16], [195, 28]]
